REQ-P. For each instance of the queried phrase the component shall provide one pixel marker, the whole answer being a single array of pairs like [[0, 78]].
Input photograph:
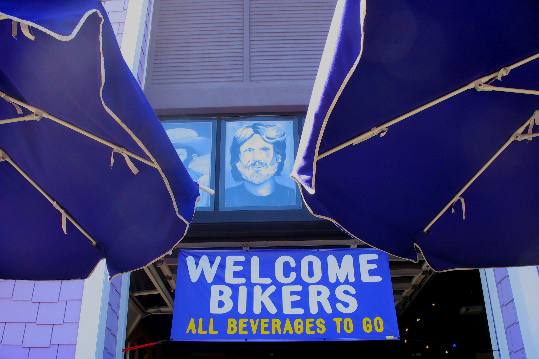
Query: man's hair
[[270, 133]]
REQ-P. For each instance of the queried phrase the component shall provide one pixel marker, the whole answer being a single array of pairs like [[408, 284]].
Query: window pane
[[256, 164], [193, 142]]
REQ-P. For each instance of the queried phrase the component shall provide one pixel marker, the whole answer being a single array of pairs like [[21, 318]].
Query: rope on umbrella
[[18, 108], [151, 161], [128, 161], [125, 153], [530, 135], [24, 29], [516, 136], [486, 87], [61, 122], [14, 29], [31, 117], [4, 157], [463, 207], [64, 216], [480, 84]]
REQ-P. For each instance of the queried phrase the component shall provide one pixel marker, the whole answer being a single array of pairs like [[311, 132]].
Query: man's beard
[[257, 172]]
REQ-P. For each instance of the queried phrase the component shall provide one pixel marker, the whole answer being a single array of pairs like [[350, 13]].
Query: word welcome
[[285, 272]]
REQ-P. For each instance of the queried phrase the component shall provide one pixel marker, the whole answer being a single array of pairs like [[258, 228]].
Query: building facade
[[226, 77]]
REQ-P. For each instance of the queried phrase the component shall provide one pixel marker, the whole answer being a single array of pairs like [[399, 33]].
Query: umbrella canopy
[[421, 130], [86, 169]]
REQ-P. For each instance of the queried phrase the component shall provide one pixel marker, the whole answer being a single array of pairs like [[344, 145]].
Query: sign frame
[[267, 295]]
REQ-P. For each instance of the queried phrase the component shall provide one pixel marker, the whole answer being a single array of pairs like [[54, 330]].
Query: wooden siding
[[224, 56], [287, 38], [198, 41]]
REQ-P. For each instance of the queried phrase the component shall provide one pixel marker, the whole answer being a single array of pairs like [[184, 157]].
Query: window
[[194, 143], [246, 159]]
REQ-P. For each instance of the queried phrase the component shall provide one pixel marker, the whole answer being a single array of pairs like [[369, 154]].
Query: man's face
[[257, 162]]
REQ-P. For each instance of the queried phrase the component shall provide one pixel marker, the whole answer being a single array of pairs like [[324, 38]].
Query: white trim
[[134, 33], [494, 315], [525, 286], [122, 316], [93, 314]]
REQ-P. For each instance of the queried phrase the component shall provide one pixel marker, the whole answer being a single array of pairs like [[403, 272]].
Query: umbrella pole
[[65, 216]]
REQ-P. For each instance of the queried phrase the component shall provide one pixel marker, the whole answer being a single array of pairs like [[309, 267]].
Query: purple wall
[[117, 10], [39, 319], [509, 314], [113, 309]]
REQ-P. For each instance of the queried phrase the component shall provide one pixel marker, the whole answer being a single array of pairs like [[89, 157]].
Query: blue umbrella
[[422, 133], [86, 169]]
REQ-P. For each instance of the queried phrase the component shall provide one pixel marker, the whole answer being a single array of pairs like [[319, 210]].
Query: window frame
[[215, 214]]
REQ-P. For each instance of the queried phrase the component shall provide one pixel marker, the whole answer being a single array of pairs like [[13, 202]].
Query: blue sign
[[284, 295]]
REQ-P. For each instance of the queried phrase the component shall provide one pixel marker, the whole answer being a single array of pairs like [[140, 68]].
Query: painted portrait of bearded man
[[258, 152]]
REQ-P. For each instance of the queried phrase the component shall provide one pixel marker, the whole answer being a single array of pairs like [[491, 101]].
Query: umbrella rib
[[516, 136], [31, 117], [485, 87], [129, 131], [152, 161], [4, 157], [477, 84], [37, 113]]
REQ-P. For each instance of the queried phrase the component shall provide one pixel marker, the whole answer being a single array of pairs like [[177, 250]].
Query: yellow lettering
[[254, 325], [191, 327], [264, 324], [243, 326], [378, 324], [200, 327], [288, 327], [348, 325], [211, 328], [275, 326], [298, 326], [367, 325], [309, 325], [320, 326], [232, 326], [338, 324]]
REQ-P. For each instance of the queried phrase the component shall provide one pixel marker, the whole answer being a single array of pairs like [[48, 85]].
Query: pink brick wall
[[509, 314], [117, 11], [111, 329], [39, 319]]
